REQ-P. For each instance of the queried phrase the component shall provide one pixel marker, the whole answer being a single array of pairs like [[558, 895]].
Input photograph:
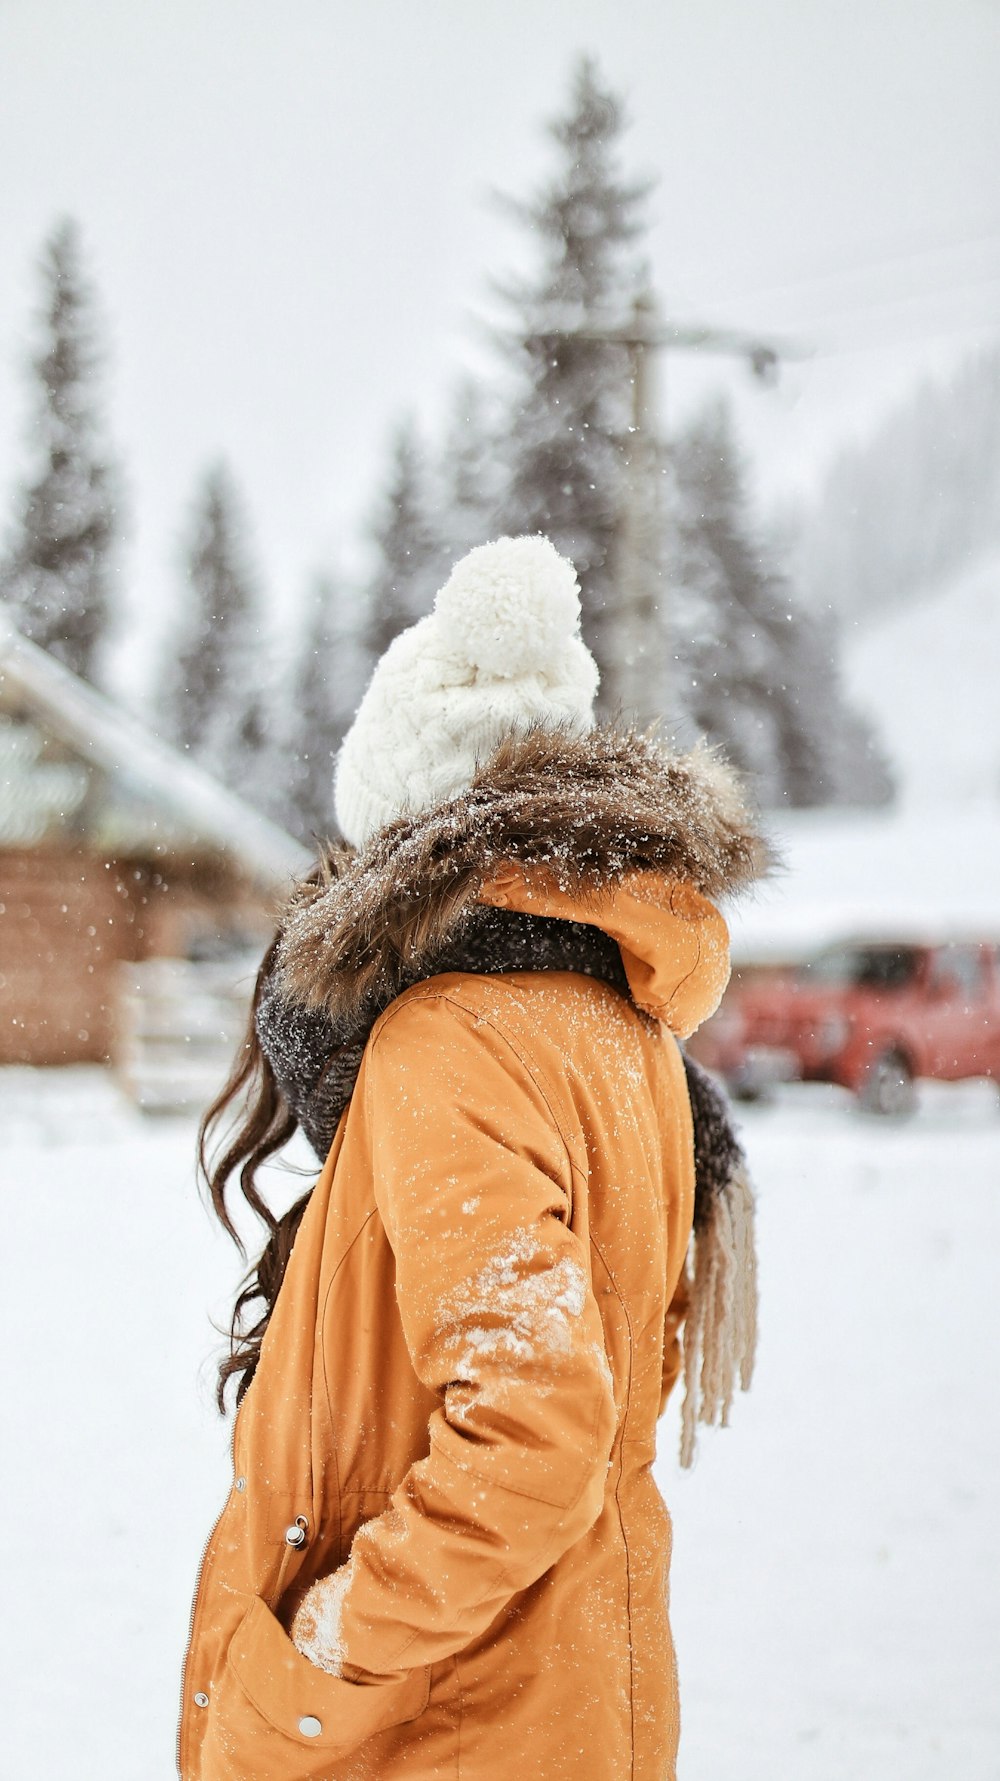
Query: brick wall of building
[[68, 920]]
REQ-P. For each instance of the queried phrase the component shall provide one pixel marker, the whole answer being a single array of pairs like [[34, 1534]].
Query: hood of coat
[[607, 829], [674, 943]]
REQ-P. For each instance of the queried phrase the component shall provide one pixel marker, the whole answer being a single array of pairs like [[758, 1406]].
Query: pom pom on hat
[[507, 608], [500, 654]]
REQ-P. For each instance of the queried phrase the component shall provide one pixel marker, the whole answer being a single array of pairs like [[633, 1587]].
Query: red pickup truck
[[870, 1015]]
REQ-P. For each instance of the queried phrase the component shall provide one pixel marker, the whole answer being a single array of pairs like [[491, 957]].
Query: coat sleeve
[[474, 1186]]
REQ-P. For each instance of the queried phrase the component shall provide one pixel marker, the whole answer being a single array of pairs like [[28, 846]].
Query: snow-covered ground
[[837, 1550], [835, 1593]]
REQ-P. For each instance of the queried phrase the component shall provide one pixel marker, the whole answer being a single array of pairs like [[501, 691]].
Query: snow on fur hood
[[553, 823]]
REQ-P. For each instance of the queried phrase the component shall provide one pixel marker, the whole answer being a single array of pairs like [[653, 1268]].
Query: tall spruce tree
[[327, 683], [214, 695], [857, 769], [470, 475], [568, 429], [408, 549], [758, 674], [57, 572]]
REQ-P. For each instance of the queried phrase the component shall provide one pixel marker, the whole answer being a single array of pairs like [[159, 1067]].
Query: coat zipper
[[197, 1590]]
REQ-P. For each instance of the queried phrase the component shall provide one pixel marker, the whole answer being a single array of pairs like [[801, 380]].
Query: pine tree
[[214, 698], [759, 675], [469, 478], [327, 684], [858, 769], [408, 549], [568, 431], [57, 571]]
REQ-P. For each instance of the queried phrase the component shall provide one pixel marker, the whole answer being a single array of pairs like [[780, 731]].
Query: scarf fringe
[[719, 1336]]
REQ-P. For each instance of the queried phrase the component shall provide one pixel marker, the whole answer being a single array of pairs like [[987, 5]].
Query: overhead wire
[[832, 269], [855, 316]]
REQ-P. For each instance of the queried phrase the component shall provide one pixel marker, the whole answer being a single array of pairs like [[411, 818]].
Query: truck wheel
[[748, 1088], [888, 1088]]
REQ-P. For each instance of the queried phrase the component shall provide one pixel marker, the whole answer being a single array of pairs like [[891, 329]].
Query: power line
[[846, 348], [837, 270], [904, 299]]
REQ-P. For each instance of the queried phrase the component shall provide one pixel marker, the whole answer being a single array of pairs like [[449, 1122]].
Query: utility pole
[[639, 681]]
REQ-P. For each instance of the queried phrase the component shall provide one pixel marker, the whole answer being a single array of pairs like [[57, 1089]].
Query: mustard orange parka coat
[[456, 1402]]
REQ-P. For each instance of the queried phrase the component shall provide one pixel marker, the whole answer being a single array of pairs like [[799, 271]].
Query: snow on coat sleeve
[[473, 1182]]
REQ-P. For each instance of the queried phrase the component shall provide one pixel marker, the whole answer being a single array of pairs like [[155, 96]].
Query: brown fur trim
[[589, 809]]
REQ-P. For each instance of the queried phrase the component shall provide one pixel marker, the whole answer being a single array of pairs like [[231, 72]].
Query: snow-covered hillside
[[901, 510], [929, 674], [929, 867]]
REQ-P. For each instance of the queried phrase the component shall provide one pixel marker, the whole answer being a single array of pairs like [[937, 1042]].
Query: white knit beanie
[[500, 654]]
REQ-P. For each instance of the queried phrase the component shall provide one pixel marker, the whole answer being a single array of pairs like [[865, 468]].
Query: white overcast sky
[[285, 210]]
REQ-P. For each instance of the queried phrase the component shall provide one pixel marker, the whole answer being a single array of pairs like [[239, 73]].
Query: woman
[[443, 1553]]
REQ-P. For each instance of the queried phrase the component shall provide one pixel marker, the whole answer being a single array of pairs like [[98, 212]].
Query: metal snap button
[[241, 1484], [296, 1534], [201, 1698], [310, 1727]]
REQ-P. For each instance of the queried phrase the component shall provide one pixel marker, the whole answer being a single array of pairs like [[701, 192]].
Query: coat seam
[[667, 1008], [461, 1717], [618, 1506], [326, 1377]]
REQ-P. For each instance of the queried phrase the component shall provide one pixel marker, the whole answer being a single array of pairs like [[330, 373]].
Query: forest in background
[[739, 638]]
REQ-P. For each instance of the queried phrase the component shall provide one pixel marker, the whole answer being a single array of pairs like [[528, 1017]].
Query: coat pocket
[[274, 1713]]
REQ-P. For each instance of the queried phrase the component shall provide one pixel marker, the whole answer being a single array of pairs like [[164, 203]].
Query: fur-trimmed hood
[[554, 824]]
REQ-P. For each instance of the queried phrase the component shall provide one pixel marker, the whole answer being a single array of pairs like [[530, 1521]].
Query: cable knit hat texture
[[500, 654]]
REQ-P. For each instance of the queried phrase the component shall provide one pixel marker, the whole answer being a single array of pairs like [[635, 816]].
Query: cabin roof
[[76, 766]]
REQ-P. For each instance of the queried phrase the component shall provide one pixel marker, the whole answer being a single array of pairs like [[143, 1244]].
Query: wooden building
[[114, 849]]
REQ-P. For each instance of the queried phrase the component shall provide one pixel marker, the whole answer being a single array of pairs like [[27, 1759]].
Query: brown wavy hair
[[249, 1121]]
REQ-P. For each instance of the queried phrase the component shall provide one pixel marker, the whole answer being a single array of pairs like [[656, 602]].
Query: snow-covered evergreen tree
[[470, 475], [408, 550], [758, 674], [568, 428], [858, 768], [326, 688], [215, 694], [57, 571]]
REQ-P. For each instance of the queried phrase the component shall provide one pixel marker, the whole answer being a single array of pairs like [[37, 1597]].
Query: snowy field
[[836, 1600]]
